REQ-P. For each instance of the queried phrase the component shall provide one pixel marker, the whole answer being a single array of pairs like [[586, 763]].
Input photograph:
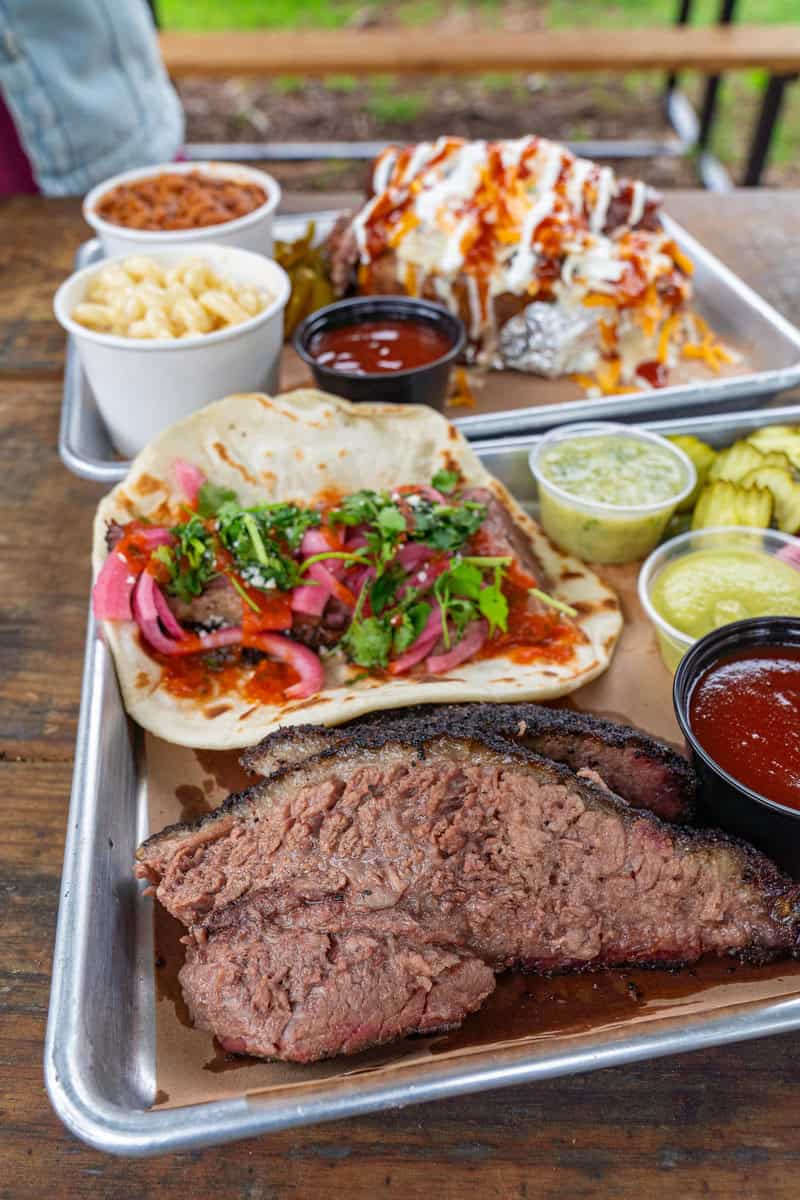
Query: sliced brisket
[[368, 886], [637, 767]]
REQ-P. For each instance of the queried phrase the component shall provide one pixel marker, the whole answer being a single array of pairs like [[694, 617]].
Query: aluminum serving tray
[[735, 312], [100, 1048]]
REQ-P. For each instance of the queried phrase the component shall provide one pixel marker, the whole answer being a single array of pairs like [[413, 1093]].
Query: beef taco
[[303, 559]]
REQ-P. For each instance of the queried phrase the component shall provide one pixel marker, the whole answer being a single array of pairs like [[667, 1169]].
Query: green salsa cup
[[720, 575], [607, 491]]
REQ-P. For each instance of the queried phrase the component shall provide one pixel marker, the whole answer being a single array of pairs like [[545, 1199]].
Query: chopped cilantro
[[259, 559], [558, 605], [445, 481], [465, 580], [289, 521], [465, 594], [191, 562], [494, 605], [261, 540], [385, 588], [410, 625], [446, 526], [390, 521], [369, 641], [360, 508], [211, 497]]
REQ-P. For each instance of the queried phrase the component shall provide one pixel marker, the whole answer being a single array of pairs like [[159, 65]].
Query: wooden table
[[720, 1123]]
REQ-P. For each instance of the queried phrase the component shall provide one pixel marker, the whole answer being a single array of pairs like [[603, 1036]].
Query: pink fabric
[[16, 176]]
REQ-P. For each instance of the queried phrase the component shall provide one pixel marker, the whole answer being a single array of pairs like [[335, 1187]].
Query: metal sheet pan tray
[[510, 403], [100, 1055]]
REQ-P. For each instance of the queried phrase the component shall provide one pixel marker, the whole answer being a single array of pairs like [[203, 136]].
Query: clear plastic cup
[[603, 532], [673, 642]]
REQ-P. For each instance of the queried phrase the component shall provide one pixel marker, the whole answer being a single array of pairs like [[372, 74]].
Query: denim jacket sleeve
[[85, 84]]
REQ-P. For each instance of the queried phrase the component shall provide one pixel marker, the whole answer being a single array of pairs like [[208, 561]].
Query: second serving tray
[[507, 402]]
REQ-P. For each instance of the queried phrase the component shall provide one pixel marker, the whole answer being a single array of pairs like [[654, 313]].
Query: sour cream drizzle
[[637, 204], [469, 217], [605, 184]]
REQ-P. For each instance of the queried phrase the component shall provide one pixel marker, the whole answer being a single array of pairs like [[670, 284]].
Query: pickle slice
[[785, 494], [308, 273], [735, 462], [754, 507], [726, 503], [785, 438], [702, 456]]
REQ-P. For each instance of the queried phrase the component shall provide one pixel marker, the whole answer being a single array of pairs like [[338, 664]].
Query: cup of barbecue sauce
[[392, 349], [737, 700]]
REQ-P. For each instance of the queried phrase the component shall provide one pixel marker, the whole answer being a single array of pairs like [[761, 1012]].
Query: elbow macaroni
[[137, 298]]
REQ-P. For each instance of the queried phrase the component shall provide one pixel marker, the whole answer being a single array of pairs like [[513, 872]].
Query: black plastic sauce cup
[[723, 801], [426, 384]]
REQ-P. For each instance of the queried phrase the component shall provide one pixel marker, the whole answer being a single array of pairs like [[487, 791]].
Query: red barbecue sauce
[[655, 373], [745, 712], [379, 347]]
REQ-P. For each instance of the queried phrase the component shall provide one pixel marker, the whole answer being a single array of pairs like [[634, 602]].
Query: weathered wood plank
[[44, 571], [405, 51]]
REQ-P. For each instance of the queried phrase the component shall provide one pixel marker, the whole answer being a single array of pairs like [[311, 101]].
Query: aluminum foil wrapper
[[547, 339]]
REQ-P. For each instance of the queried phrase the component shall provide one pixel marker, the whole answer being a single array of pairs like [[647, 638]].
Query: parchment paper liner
[[190, 1069]]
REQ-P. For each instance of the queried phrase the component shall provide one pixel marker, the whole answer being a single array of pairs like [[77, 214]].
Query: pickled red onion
[[190, 479], [167, 617], [111, 594], [304, 661], [147, 599], [145, 612], [154, 535], [474, 637], [412, 555], [321, 573], [422, 646], [308, 599]]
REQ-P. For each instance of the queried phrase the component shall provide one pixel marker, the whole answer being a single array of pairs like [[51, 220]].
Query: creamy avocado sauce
[[613, 469], [709, 588]]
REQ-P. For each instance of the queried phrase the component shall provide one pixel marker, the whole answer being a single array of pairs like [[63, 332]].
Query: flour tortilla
[[294, 447]]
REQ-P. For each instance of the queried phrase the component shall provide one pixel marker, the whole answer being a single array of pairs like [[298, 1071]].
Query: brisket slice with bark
[[637, 767], [368, 892]]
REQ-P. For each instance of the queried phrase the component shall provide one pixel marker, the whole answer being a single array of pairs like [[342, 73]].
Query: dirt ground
[[289, 110]]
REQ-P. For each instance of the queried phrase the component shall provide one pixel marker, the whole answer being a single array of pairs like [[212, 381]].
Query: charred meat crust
[[644, 771]]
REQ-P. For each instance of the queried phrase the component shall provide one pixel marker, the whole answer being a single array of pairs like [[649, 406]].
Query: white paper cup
[[250, 232], [142, 386]]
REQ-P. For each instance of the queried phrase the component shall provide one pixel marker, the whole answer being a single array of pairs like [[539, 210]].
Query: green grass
[[621, 13], [288, 85], [401, 108], [331, 14], [256, 14], [345, 84]]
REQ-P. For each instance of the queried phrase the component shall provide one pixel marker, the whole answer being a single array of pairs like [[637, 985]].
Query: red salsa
[[745, 712], [378, 347]]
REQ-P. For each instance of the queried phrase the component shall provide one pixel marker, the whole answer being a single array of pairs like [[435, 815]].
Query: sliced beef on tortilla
[[307, 447]]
